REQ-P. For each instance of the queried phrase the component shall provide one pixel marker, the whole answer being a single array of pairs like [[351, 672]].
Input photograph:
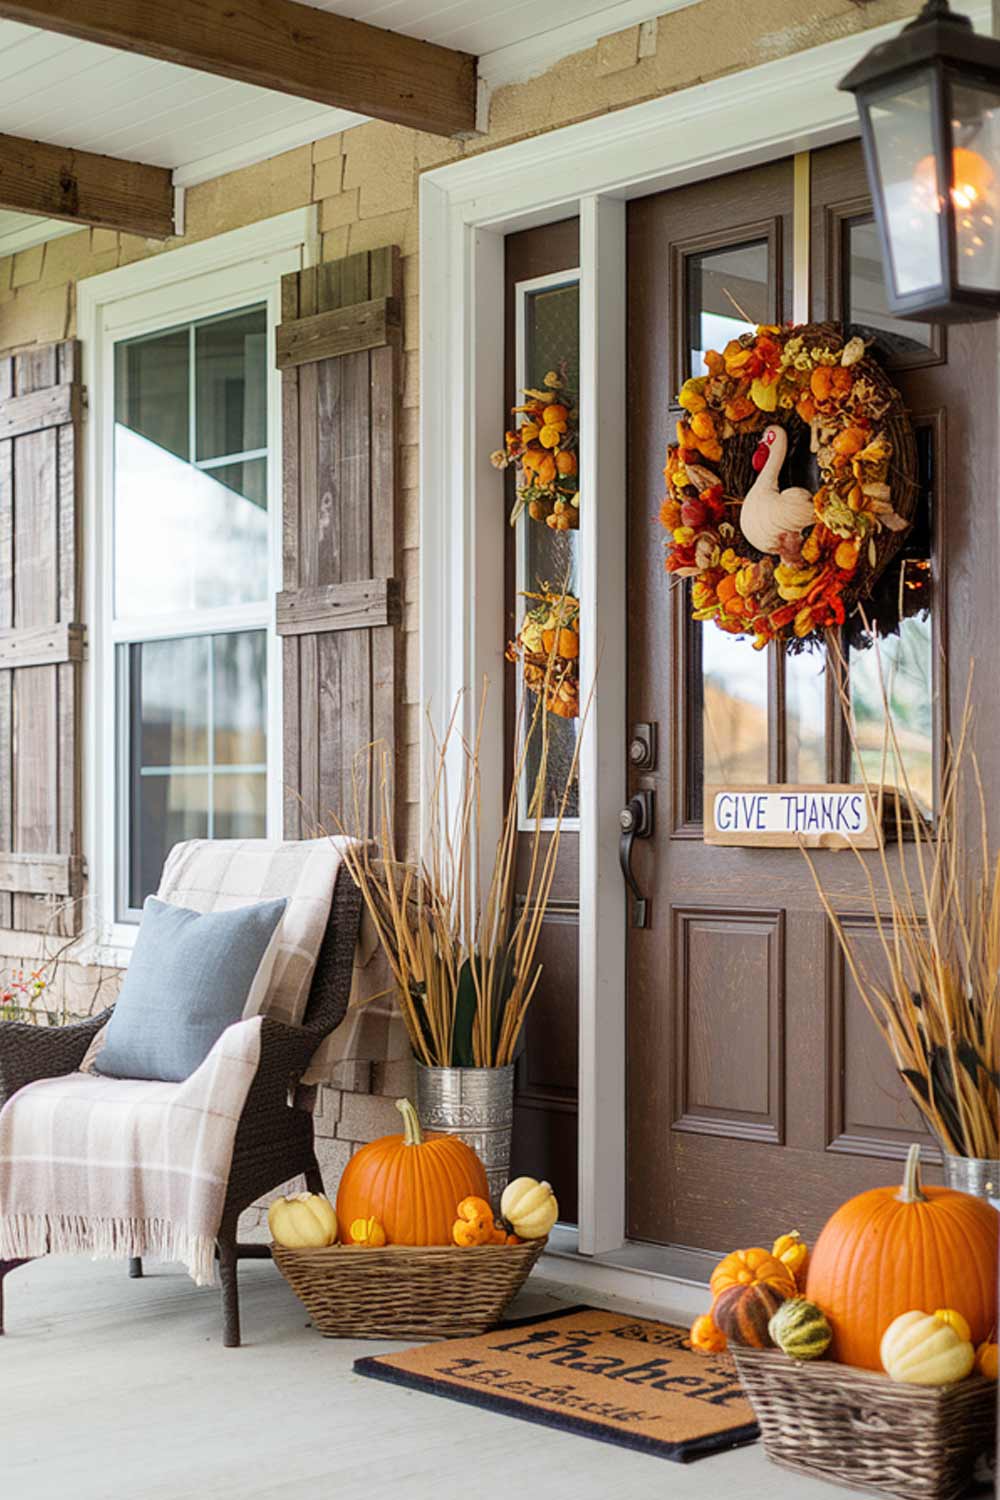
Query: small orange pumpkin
[[706, 1336], [986, 1360], [474, 1225], [793, 1252], [742, 1312], [411, 1183], [750, 1267], [893, 1249]]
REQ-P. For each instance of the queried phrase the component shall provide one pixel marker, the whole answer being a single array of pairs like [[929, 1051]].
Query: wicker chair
[[274, 1140]]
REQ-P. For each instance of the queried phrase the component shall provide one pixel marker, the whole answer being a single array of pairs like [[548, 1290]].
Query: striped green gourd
[[800, 1329]]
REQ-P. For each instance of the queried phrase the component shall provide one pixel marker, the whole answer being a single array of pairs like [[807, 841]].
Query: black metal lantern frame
[[922, 98]]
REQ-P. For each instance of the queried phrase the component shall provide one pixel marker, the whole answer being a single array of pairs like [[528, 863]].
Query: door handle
[[636, 822]]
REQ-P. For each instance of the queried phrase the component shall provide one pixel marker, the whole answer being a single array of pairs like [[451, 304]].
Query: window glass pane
[[190, 537], [903, 608], [805, 717], [170, 701], [231, 383], [152, 390], [734, 712], [865, 307], [240, 806], [976, 191], [552, 339], [715, 280], [902, 132], [193, 708], [239, 699]]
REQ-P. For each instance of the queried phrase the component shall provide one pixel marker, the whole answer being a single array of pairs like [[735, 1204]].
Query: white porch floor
[[113, 1389]]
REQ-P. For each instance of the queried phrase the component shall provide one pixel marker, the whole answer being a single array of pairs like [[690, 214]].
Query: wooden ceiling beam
[[281, 45], [57, 182]]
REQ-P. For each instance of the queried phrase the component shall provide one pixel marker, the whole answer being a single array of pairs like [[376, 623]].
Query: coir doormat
[[600, 1374]]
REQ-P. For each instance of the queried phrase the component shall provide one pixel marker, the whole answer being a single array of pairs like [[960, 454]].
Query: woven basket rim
[[388, 1252], [831, 1371]]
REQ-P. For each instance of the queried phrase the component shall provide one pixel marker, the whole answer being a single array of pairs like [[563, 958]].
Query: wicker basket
[[406, 1291], [860, 1429]]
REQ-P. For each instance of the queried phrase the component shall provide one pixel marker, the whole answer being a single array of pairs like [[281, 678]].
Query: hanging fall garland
[[543, 447], [548, 647], [775, 563]]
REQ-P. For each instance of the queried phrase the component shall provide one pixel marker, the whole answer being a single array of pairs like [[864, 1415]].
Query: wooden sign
[[821, 817]]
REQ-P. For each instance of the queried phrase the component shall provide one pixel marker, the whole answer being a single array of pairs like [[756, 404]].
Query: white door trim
[[591, 169]]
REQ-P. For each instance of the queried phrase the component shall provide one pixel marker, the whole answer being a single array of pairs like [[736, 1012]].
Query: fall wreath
[[548, 648], [787, 564]]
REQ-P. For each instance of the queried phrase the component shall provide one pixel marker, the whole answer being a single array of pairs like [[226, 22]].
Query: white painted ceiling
[[53, 88]]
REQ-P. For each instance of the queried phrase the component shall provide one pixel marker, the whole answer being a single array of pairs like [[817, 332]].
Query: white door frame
[[466, 208]]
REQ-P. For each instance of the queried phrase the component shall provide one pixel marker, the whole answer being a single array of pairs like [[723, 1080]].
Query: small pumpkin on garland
[[411, 1183], [890, 1250], [750, 1268], [743, 1312]]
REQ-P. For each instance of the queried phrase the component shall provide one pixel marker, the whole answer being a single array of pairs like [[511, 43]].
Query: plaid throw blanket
[[112, 1167]]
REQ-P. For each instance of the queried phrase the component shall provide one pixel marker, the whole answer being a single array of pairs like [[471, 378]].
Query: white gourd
[[530, 1207], [919, 1349], [303, 1221]]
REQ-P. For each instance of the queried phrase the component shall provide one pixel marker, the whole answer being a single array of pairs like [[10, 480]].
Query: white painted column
[[602, 762]]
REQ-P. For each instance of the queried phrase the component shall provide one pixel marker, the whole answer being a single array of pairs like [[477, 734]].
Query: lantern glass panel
[[902, 133], [975, 192]]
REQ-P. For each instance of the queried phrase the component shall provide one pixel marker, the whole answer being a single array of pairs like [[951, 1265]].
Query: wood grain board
[[59, 182]]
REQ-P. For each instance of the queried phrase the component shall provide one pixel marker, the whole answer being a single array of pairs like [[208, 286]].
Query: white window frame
[[240, 269], [466, 208]]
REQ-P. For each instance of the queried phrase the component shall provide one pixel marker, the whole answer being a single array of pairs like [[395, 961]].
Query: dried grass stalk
[[460, 939], [937, 918]]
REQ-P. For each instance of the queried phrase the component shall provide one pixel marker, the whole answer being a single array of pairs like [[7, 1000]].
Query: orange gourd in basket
[[892, 1249], [411, 1183]]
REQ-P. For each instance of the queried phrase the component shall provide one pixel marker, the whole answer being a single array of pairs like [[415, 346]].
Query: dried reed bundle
[[937, 1003], [464, 962]]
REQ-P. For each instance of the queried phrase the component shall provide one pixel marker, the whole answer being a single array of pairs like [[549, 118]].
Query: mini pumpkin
[[800, 1329], [750, 1267], [919, 1349], [529, 1207], [304, 1221], [411, 1183], [474, 1225], [368, 1232], [706, 1336], [986, 1360], [793, 1252], [744, 1313]]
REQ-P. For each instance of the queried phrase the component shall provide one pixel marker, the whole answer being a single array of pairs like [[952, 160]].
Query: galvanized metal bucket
[[973, 1174], [476, 1104]]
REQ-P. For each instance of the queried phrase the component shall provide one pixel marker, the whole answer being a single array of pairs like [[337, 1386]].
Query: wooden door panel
[[729, 982]]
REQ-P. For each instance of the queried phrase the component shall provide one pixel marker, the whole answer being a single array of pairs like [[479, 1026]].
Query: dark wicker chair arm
[[29, 1053], [331, 988]]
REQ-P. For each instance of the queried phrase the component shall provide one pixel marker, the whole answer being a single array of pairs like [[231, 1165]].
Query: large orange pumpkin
[[893, 1249], [411, 1183]]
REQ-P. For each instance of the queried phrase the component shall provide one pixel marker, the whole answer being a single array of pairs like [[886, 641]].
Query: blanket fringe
[[26, 1236]]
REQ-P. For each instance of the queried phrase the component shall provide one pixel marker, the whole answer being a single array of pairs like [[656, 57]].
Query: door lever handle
[[636, 822]]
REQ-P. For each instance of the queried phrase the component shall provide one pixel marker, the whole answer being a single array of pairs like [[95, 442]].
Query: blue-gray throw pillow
[[188, 979]]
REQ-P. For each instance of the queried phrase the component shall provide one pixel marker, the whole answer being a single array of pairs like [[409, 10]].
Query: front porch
[[122, 1388]]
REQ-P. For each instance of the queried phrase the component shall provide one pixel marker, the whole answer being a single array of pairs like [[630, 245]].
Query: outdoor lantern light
[[929, 102]]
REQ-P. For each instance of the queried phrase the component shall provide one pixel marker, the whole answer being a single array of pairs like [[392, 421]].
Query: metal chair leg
[[135, 1267]]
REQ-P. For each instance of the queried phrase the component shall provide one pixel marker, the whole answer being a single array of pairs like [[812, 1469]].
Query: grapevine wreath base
[[790, 563]]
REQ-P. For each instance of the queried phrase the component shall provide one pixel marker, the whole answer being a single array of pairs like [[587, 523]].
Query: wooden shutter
[[339, 349], [41, 640]]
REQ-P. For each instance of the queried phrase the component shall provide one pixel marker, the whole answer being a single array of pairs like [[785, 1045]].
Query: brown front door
[[760, 1094]]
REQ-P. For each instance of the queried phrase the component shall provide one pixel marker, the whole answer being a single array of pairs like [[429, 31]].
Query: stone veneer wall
[[365, 182]]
